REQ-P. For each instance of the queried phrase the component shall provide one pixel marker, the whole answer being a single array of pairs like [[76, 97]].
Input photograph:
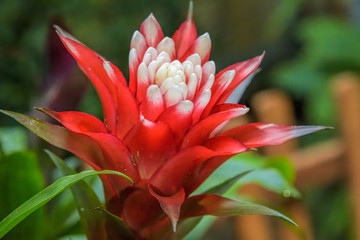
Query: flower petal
[[171, 205], [201, 46], [173, 96], [207, 168], [219, 87], [208, 69], [225, 148], [92, 64], [200, 132], [261, 134], [76, 121], [139, 207], [138, 42], [178, 117], [126, 103], [143, 82], [108, 101], [225, 145], [117, 157], [192, 86], [200, 103], [152, 31], [133, 66], [114, 73], [153, 104], [185, 35], [236, 95], [242, 71], [151, 144], [174, 173], [167, 45], [79, 144]]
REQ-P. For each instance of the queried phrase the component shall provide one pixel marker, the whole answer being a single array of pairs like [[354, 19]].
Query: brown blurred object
[[347, 93], [63, 86], [276, 107], [319, 165]]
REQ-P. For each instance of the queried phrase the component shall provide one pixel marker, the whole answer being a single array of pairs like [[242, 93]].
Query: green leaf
[[73, 237], [86, 202], [80, 144], [208, 204], [13, 139], [45, 196], [201, 228], [21, 178], [204, 207], [187, 225], [63, 218], [116, 227], [274, 174], [223, 187], [272, 180], [284, 166]]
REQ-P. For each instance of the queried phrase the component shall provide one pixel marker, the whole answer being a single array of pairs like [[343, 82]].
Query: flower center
[[171, 79], [166, 83], [173, 72], [179, 81]]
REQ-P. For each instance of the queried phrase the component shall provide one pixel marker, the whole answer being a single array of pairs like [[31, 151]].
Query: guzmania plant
[[162, 130]]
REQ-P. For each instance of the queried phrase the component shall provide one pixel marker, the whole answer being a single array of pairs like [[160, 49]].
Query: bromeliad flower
[[161, 129]]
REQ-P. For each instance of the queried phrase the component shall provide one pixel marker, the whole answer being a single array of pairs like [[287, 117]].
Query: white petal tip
[[206, 35], [167, 45], [186, 106], [108, 68], [231, 73], [204, 99], [133, 57], [135, 35], [136, 39], [132, 51], [106, 65], [153, 93], [173, 96], [150, 17], [195, 59], [174, 225]]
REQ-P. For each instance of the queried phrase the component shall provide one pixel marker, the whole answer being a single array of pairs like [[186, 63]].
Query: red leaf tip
[[62, 33], [170, 205]]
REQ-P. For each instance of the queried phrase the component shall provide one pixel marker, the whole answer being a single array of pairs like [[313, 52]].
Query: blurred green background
[[306, 43]]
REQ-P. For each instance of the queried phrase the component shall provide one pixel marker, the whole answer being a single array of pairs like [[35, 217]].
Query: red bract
[[162, 128]]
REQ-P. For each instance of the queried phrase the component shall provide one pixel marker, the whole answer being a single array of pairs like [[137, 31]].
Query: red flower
[[162, 128]]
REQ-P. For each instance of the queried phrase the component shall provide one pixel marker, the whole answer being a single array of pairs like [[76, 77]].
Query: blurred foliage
[[20, 179], [275, 174], [106, 26], [13, 139], [335, 207], [328, 48]]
